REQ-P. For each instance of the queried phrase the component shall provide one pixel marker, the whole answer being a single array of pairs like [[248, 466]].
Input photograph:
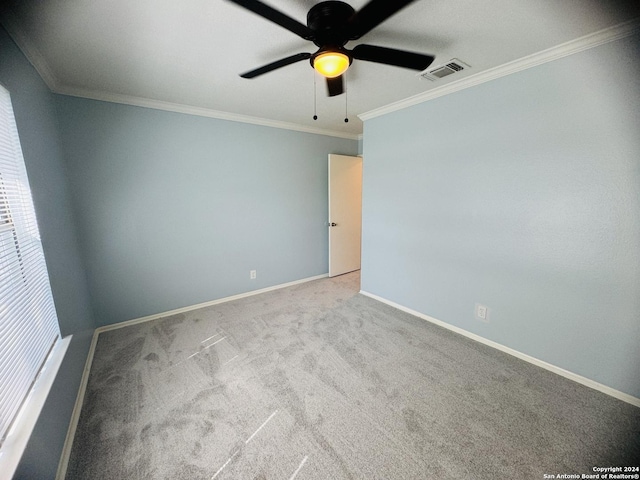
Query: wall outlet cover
[[481, 312]]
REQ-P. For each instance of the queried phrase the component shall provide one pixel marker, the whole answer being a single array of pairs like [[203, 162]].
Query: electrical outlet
[[252, 274], [482, 312]]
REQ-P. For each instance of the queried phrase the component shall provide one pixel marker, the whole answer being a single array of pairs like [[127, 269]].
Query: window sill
[[16, 441]]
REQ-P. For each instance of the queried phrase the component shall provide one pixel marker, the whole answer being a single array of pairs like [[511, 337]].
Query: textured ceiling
[[190, 52]]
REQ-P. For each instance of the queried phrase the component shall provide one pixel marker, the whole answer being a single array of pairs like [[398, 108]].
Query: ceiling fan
[[330, 25]]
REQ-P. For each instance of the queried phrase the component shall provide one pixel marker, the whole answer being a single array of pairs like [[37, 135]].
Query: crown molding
[[197, 111], [600, 37], [29, 50]]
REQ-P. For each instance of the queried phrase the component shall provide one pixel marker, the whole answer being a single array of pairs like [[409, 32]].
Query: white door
[[345, 214]]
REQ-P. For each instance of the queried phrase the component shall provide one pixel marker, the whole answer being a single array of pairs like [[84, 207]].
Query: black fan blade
[[373, 14], [391, 56], [280, 63], [335, 86], [276, 17]]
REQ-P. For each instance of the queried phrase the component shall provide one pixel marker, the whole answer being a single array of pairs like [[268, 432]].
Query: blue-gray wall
[[522, 194], [35, 118], [175, 210]]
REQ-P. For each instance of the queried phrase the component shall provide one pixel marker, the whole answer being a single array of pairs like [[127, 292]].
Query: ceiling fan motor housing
[[329, 22]]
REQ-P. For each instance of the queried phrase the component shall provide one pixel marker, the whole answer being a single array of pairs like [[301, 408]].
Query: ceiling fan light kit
[[330, 26], [331, 64]]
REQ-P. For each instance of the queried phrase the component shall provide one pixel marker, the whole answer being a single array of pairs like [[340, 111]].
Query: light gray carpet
[[318, 382]]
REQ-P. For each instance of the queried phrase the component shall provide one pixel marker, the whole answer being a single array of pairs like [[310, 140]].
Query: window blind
[[28, 321]]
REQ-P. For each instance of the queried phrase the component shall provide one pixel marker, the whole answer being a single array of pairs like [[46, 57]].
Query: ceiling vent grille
[[452, 66]]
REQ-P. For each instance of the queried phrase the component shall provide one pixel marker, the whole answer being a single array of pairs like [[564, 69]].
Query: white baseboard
[[75, 416], [625, 397], [155, 316]]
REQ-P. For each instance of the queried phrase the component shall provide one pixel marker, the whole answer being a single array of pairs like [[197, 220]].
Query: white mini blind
[[28, 321]]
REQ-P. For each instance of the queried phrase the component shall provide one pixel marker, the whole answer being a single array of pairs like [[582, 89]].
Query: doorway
[[345, 214]]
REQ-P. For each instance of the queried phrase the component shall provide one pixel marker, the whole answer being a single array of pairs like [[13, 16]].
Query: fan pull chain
[[315, 103], [346, 114]]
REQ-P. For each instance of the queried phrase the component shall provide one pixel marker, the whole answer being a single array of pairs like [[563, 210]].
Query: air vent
[[452, 66]]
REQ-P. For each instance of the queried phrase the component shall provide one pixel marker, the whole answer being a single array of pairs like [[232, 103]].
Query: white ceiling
[[191, 52]]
